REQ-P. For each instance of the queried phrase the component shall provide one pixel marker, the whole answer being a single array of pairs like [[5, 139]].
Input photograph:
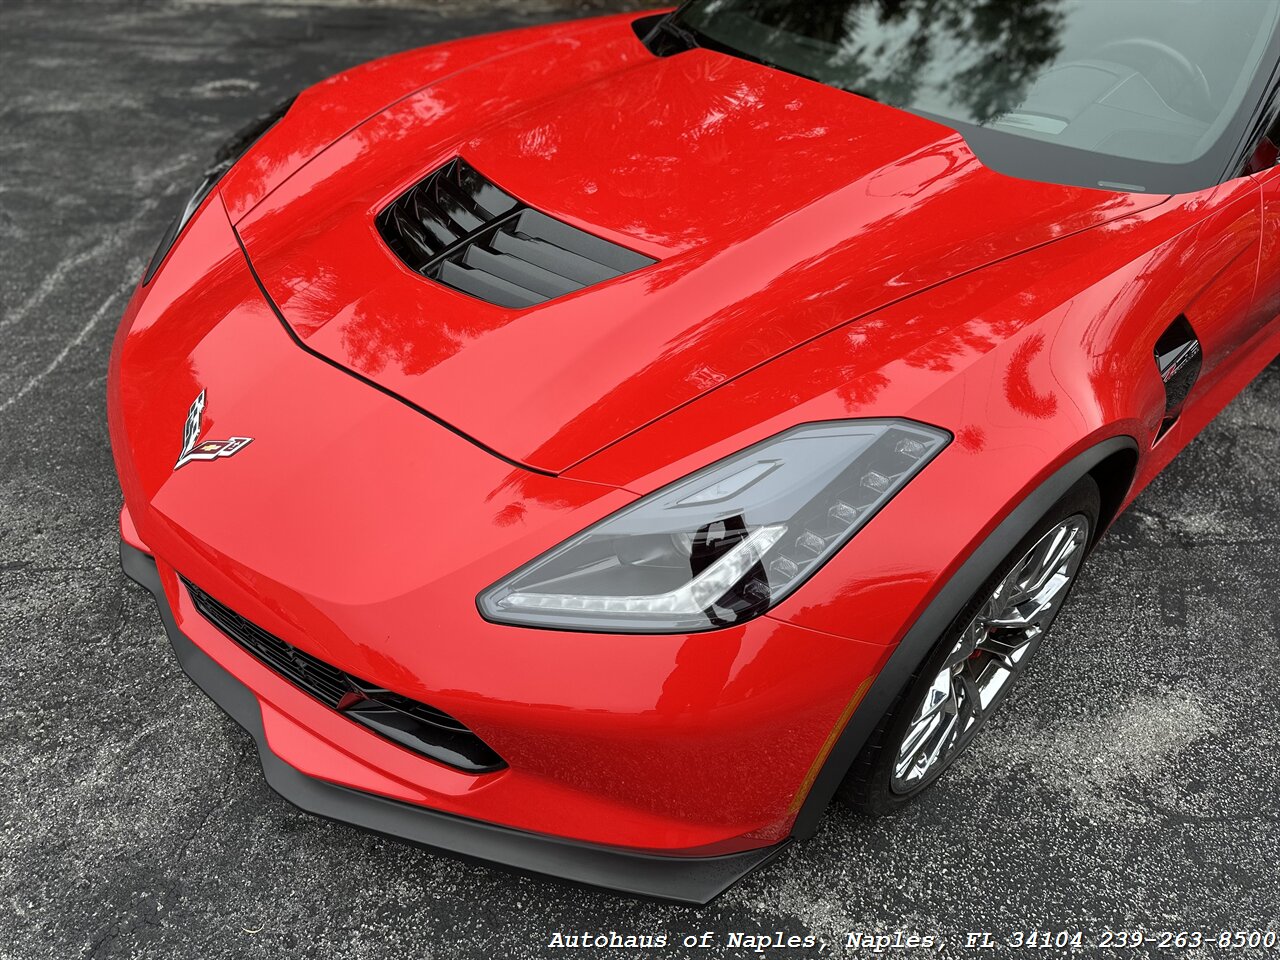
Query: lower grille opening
[[417, 726]]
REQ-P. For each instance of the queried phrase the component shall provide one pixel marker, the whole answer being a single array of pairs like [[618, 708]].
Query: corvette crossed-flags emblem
[[194, 449]]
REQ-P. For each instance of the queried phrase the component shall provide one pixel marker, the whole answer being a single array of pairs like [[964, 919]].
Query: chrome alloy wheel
[[993, 651]]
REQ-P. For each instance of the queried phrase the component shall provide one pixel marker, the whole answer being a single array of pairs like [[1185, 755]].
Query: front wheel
[[977, 661]]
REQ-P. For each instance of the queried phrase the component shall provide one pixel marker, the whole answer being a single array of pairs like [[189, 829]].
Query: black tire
[[869, 786]]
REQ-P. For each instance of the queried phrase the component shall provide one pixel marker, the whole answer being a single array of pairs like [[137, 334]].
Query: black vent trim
[[1178, 358], [458, 228], [417, 726]]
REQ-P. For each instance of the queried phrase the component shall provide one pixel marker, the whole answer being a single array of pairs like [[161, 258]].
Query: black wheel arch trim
[[692, 881], [924, 633]]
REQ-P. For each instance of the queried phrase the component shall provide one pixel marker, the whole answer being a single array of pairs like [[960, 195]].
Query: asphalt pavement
[[1130, 783]]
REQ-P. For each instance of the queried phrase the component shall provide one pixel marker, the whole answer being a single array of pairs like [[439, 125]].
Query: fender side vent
[[459, 229], [416, 726], [1178, 358]]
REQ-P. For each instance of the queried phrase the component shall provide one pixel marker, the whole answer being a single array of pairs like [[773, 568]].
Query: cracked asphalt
[[1131, 782]]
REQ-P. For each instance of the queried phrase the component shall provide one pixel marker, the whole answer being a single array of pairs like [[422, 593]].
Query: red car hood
[[777, 208]]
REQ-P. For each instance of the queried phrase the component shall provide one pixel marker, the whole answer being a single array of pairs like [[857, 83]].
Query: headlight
[[223, 160], [724, 544]]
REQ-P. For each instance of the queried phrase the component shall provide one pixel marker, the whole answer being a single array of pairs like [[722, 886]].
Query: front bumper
[[691, 880], [359, 531]]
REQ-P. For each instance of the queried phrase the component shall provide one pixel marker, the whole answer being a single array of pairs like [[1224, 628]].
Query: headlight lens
[[724, 544], [223, 160]]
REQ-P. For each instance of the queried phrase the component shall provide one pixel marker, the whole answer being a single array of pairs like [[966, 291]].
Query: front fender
[[915, 646]]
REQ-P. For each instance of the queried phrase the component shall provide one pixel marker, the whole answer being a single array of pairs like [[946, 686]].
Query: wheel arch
[[1113, 465], [1114, 475]]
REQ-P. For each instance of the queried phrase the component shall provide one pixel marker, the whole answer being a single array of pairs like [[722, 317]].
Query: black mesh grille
[[411, 724], [457, 228]]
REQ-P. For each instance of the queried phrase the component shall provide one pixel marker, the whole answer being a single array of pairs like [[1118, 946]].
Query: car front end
[[333, 572]]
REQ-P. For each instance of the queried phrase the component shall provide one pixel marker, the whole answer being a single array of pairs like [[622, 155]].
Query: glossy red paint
[[852, 205], [821, 257], [335, 107]]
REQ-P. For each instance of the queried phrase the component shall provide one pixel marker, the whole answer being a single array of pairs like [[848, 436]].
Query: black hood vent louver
[[459, 229]]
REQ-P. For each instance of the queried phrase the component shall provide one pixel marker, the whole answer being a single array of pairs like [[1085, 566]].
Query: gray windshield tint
[[1153, 81]]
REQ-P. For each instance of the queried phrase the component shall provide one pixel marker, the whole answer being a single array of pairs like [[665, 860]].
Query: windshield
[[1125, 94]]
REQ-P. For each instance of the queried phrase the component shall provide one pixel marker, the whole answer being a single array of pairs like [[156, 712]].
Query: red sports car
[[593, 448]]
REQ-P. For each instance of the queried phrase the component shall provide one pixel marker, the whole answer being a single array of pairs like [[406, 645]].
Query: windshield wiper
[[683, 34], [669, 38]]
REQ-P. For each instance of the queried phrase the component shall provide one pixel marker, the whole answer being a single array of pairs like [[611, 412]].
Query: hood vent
[[457, 228]]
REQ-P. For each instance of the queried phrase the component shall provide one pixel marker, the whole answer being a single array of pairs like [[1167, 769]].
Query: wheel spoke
[[918, 735], [960, 653], [942, 743], [974, 712], [939, 696], [1012, 591], [1045, 552], [1054, 557], [1016, 618], [1004, 647], [968, 643]]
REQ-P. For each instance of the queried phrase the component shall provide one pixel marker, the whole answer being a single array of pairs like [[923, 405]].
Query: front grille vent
[[459, 229], [420, 727]]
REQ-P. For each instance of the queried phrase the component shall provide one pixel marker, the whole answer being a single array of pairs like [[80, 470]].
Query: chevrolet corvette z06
[[594, 448]]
